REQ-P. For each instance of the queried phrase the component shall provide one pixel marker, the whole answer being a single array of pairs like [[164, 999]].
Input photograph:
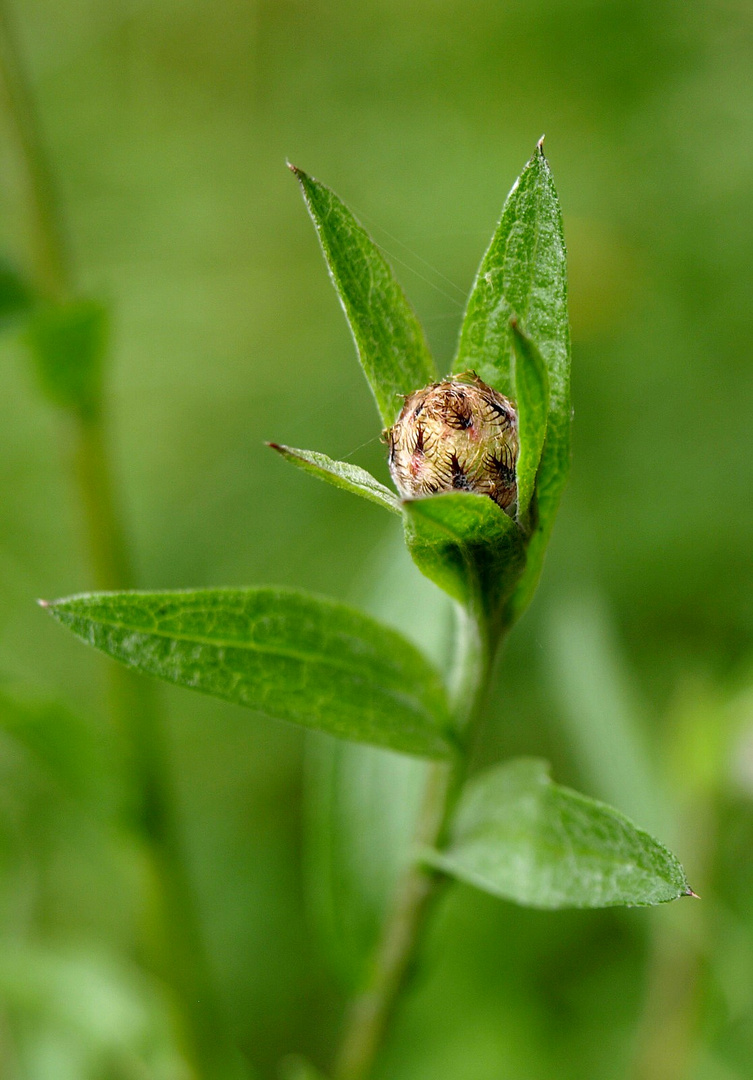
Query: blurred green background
[[168, 123]]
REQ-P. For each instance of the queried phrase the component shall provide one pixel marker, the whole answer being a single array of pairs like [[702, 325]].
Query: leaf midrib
[[222, 643]]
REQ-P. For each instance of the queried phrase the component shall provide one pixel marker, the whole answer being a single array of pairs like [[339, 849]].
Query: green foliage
[[68, 342], [521, 837], [341, 474], [287, 654], [522, 276], [523, 279], [224, 322], [389, 338], [532, 397], [299, 658], [335, 670]]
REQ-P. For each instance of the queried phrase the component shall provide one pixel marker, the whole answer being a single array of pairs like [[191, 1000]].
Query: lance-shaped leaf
[[389, 338], [340, 474], [285, 653], [523, 276], [469, 547], [532, 397], [519, 836]]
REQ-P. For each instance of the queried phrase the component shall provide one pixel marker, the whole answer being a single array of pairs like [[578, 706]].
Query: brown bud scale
[[455, 435]]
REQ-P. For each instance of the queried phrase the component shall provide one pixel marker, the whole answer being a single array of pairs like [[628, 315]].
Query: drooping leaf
[[67, 342], [532, 397], [520, 836], [341, 474], [389, 338], [285, 653], [523, 276], [469, 547]]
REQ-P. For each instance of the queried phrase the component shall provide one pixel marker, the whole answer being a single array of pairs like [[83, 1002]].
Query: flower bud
[[455, 435]]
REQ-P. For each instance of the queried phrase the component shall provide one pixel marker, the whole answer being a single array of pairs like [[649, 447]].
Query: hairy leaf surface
[[341, 474], [390, 341], [532, 395], [285, 653], [520, 836], [523, 277]]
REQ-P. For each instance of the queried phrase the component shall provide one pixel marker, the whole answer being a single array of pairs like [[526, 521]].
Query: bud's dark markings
[[455, 435]]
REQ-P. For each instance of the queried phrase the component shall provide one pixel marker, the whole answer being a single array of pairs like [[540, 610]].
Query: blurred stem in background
[[183, 957], [371, 1011]]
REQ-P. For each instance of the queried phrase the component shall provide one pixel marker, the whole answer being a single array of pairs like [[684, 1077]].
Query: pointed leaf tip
[[340, 474], [284, 653], [518, 835], [523, 275], [389, 339]]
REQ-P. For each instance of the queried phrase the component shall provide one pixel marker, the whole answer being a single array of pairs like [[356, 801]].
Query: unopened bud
[[455, 435]]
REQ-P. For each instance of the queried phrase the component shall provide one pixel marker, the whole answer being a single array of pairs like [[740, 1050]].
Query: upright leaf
[[389, 339], [469, 547], [521, 837], [523, 276], [340, 474], [532, 396], [290, 655]]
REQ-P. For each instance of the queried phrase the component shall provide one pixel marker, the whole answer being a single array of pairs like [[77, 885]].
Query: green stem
[[372, 1010], [204, 1031], [50, 249], [180, 944]]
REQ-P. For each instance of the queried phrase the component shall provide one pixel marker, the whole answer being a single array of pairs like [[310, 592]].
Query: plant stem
[[181, 947], [204, 1031], [372, 1010], [50, 250]]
